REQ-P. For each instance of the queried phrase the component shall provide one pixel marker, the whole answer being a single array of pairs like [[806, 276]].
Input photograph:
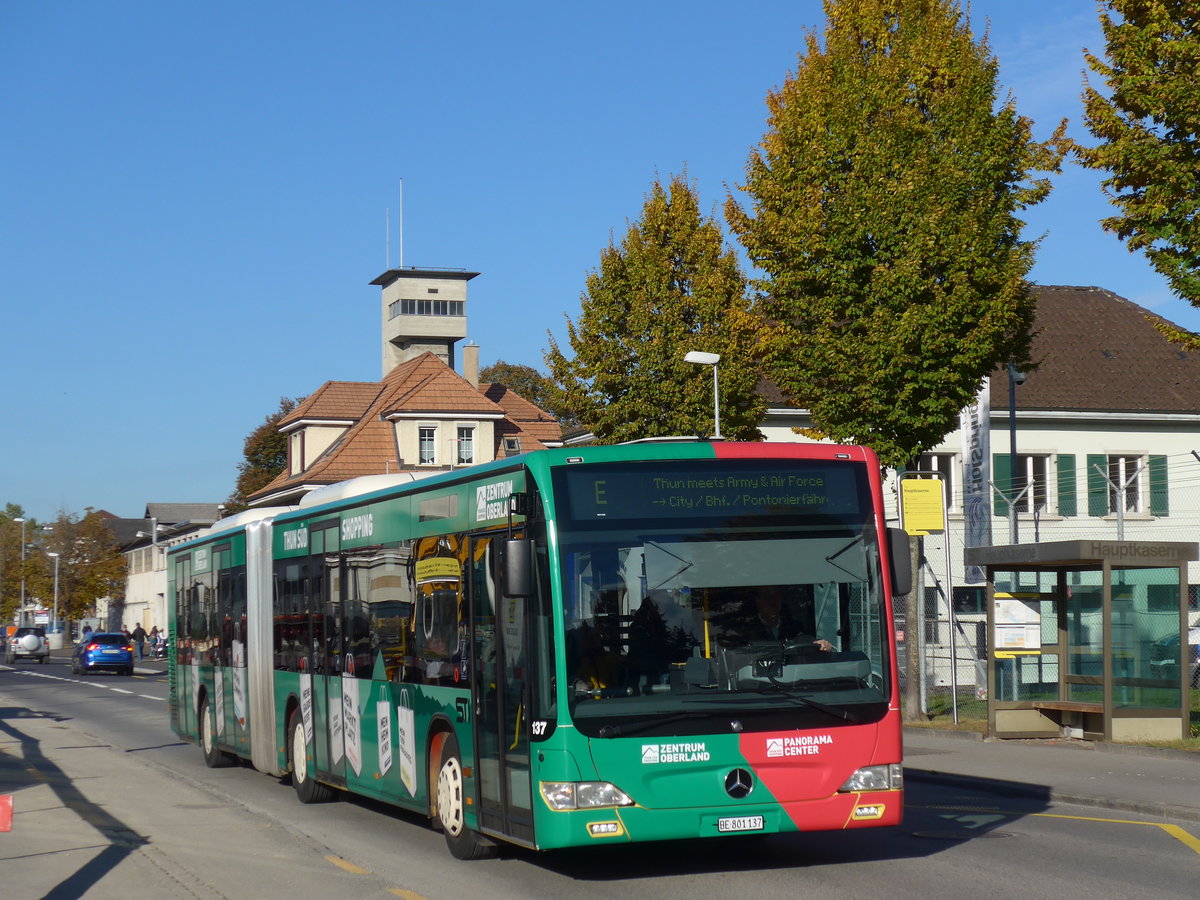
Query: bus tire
[[452, 808], [214, 756], [308, 789]]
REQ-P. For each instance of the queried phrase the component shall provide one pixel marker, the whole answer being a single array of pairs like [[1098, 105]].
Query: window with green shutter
[[1067, 501], [1157, 468], [1097, 484]]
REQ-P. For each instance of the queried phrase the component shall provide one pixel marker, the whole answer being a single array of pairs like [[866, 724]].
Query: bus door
[[327, 605], [498, 630], [223, 638], [183, 713]]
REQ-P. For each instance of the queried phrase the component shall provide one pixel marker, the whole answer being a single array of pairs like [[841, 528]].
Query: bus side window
[[437, 631]]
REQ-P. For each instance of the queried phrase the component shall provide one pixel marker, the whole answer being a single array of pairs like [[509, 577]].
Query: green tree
[[884, 201], [527, 381], [672, 286], [1148, 126], [264, 456]]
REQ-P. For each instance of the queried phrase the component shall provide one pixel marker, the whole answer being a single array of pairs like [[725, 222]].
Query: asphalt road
[[110, 803]]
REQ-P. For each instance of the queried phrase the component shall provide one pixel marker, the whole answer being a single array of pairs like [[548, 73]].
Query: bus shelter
[[1084, 639]]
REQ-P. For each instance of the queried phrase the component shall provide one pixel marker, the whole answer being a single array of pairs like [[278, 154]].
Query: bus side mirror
[[900, 557], [518, 567]]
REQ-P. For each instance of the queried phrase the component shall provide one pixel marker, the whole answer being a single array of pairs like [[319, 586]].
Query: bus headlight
[[889, 777], [583, 795]]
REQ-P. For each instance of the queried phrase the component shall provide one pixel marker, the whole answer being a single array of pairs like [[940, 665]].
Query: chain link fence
[[951, 640]]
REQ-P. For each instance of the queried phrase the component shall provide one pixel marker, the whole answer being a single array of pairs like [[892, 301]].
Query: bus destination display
[[599, 492]]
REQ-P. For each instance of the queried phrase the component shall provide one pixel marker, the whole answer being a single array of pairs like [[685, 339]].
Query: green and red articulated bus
[[577, 646]]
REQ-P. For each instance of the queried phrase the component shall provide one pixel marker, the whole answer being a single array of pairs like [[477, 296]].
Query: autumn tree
[[1147, 120], [672, 285], [12, 567], [90, 564], [883, 211], [264, 456], [537, 388]]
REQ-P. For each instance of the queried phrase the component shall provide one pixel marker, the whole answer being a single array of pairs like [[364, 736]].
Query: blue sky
[[196, 195]]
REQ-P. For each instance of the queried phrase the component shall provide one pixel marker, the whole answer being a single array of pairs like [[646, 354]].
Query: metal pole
[[21, 609], [953, 623], [56, 558], [1012, 448], [716, 405]]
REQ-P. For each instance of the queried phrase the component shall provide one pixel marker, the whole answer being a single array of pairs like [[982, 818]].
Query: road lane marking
[[95, 684], [347, 866], [1184, 837], [1180, 834]]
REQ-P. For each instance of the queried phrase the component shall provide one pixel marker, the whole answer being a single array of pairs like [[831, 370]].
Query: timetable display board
[[704, 488]]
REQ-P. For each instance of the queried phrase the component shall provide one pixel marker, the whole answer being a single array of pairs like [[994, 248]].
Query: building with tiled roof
[[1107, 390], [423, 416], [144, 543], [1107, 436]]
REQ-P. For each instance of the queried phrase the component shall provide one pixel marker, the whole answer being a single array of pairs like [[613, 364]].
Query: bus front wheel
[[308, 789], [452, 808]]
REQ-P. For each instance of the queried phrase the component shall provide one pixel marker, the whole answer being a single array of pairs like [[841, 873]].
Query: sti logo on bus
[[491, 500]]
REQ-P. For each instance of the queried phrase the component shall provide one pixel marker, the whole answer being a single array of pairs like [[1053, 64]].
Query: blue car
[[103, 651]]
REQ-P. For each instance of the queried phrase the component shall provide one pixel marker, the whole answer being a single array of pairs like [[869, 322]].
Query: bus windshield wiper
[[608, 731], [808, 701]]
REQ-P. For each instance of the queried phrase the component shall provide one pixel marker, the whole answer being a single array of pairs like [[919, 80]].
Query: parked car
[[29, 642], [1165, 656], [103, 650]]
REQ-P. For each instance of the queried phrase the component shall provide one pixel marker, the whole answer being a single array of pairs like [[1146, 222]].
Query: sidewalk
[[89, 820], [1142, 780]]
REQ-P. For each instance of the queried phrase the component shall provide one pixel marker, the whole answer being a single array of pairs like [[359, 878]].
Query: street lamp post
[[21, 608], [710, 359], [55, 556]]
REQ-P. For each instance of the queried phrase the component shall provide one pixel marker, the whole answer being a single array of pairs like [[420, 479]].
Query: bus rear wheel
[[308, 789], [452, 808], [214, 756]]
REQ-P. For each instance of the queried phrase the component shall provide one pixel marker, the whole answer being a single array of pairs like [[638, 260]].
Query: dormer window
[[296, 452]]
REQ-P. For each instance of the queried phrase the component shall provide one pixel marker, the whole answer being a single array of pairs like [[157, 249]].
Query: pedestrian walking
[[139, 638]]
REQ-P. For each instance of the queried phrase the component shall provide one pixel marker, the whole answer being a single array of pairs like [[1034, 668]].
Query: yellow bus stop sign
[[922, 505]]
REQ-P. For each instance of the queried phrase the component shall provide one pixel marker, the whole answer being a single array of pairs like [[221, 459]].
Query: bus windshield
[[700, 599]]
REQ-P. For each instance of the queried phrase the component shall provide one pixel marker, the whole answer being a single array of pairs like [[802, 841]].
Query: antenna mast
[[400, 225]]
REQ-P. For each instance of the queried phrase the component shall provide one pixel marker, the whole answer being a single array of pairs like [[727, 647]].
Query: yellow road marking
[[1184, 837], [347, 866]]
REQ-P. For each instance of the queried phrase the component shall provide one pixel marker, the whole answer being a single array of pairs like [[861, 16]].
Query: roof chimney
[[470, 361]]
